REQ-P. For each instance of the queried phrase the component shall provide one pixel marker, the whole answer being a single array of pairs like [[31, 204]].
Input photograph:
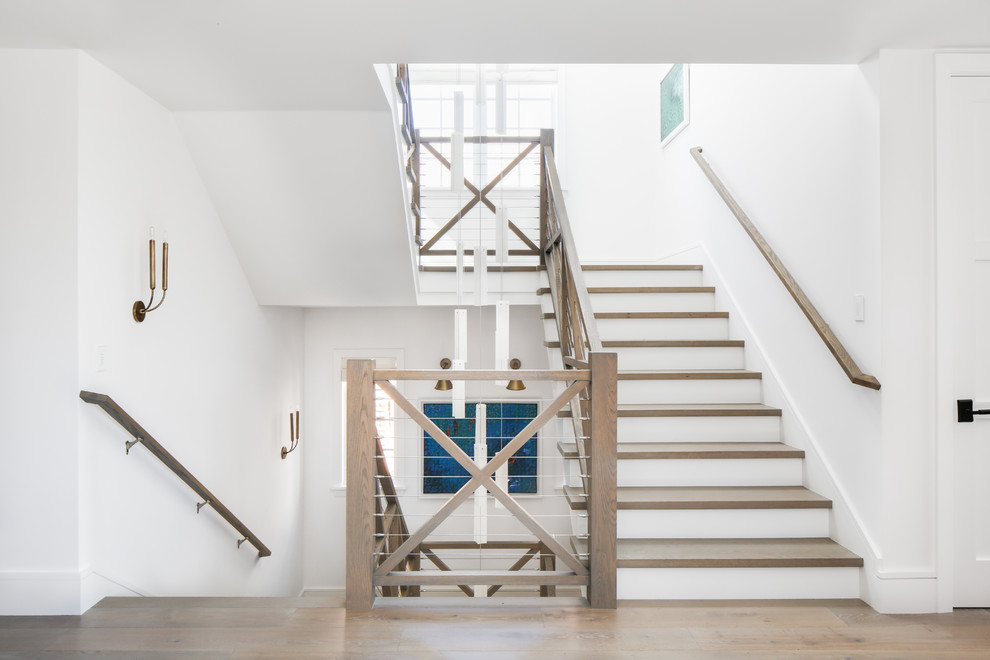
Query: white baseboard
[[40, 593], [900, 594]]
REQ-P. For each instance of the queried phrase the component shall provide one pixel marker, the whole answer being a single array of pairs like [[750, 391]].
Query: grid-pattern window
[[442, 474]]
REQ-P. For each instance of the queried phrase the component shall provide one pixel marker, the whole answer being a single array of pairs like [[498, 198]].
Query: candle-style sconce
[[139, 309], [293, 435]]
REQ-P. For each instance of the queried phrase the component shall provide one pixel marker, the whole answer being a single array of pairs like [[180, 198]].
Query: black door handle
[[965, 409]]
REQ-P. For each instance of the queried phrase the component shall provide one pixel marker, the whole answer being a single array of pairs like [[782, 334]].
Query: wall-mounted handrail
[[152, 445], [845, 360]]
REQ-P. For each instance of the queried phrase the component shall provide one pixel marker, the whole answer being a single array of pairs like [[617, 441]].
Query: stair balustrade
[[384, 554]]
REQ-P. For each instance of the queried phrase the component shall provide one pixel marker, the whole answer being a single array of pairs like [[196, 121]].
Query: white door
[[964, 256]]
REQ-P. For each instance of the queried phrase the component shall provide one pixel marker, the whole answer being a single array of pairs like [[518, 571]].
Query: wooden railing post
[[360, 485], [602, 496], [546, 142]]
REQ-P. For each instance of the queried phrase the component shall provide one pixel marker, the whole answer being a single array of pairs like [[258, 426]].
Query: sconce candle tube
[[293, 435], [139, 309]]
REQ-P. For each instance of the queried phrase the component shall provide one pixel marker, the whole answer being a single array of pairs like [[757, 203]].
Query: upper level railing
[[143, 437], [841, 355], [464, 214]]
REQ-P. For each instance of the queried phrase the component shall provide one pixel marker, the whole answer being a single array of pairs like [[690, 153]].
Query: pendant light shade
[[515, 385], [444, 385]]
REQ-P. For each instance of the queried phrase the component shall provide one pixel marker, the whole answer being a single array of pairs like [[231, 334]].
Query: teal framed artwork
[[673, 103]]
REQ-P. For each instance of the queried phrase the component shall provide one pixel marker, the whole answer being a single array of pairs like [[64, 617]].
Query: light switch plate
[[859, 313]]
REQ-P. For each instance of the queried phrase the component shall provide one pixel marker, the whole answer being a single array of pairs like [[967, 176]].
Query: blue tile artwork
[[442, 474]]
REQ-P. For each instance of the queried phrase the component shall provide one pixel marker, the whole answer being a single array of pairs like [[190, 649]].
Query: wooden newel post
[[546, 142], [602, 496], [360, 485]]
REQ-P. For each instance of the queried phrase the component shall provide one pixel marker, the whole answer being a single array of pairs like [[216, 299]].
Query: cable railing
[[573, 315], [141, 436], [441, 541], [457, 206], [848, 364]]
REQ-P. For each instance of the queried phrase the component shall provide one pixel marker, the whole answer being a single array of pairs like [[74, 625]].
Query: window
[[442, 474], [385, 422], [530, 104]]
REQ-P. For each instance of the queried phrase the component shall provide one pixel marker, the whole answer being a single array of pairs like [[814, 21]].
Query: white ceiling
[[317, 55], [311, 200]]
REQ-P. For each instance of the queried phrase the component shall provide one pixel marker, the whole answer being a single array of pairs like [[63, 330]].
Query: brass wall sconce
[[139, 309], [293, 436], [444, 385], [515, 385]]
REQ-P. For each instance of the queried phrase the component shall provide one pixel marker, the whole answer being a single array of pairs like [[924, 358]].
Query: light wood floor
[[318, 627]]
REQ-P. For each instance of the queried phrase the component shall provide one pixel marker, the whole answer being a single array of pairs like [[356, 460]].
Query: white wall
[[39, 458], [419, 337], [210, 374], [798, 147], [610, 147], [310, 202], [908, 260]]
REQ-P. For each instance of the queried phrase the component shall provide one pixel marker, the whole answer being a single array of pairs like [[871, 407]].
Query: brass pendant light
[[515, 385], [444, 385]]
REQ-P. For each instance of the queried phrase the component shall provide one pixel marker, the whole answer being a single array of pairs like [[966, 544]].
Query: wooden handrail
[[152, 445], [845, 360], [556, 198], [482, 139]]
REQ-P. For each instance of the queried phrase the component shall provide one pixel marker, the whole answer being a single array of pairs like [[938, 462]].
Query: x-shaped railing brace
[[480, 196], [481, 477]]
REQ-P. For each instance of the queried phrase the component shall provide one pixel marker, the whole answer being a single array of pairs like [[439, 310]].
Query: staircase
[[710, 500]]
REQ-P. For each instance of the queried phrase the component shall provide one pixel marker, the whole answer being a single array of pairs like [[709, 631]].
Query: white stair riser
[[638, 358], [642, 278], [519, 282], [736, 583], [716, 523], [735, 390], [652, 329], [663, 329], [653, 302], [710, 472], [723, 523], [698, 429]]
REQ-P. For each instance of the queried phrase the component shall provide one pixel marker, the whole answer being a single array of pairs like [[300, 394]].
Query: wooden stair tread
[[707, 497], [730, 553], [692, 450], [670, 343], [640, 289], [691, 374], [692, 410], [641, 267], [478, 576]]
